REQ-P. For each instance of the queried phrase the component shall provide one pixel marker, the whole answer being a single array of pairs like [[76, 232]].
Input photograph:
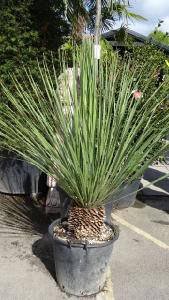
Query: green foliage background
[[29, 28], [147, 57], [160, 37]]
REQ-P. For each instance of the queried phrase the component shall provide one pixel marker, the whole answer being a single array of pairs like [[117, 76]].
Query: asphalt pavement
[[140, 262]]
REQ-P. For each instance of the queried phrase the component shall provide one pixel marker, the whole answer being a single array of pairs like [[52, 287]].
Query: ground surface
[[141, 256], [140, 268]]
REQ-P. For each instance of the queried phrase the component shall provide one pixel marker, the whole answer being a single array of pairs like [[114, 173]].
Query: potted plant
[[86, 137], [17, 176]]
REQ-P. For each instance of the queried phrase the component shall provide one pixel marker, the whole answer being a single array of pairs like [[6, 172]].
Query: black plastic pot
[[81, 269], [166, 155], [118, 202], [19, 177]]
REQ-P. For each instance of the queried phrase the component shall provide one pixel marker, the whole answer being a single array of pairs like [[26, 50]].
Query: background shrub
[[29, 29]]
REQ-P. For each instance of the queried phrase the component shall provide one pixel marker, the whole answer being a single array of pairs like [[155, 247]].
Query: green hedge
[[28, 29]]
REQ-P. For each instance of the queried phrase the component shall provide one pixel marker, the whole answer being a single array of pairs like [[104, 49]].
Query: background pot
[[117, 202], [81, 269], [166, 155], [19, 177]]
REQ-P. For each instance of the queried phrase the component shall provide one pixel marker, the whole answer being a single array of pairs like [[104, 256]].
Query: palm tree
[[82, 14]]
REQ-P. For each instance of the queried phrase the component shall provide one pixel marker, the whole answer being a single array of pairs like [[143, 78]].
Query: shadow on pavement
[[22, 215], [138, 204], [151, 175], [161, 222], [42, 248], [158, 202]]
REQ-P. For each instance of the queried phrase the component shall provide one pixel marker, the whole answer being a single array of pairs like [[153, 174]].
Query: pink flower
[[137, 94]]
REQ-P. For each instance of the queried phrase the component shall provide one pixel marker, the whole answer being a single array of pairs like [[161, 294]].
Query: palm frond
[[112, 10], [134, 16], [112, 13], [105, 3], [89, 133]]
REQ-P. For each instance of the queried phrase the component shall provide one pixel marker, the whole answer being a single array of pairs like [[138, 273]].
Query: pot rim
[[84, 244]]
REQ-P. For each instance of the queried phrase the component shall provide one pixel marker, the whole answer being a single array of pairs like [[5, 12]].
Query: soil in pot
[[81, 264]]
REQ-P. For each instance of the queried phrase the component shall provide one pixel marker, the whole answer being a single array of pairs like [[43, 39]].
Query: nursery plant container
[[17, 176], [118, 202], [81, 268], [166, 155]]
